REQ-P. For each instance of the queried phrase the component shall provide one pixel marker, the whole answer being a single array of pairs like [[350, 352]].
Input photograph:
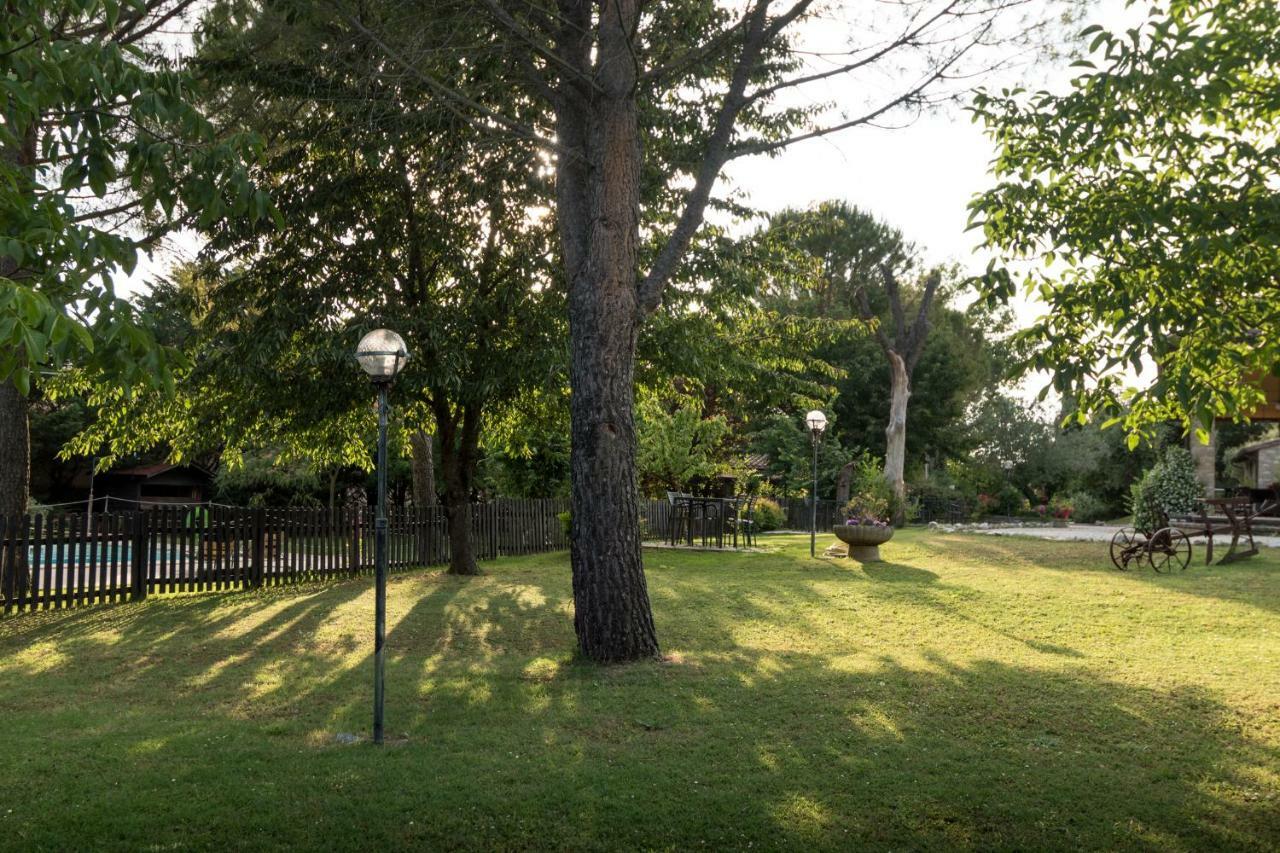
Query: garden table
[[708, 514]]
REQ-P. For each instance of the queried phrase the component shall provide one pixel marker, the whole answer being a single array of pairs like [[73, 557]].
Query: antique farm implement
[[1167, 548]]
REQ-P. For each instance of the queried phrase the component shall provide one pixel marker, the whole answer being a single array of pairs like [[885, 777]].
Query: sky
[[920, 178]]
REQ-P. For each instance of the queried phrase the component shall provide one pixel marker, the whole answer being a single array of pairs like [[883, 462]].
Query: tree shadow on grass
[[897, 573], [224, 737]]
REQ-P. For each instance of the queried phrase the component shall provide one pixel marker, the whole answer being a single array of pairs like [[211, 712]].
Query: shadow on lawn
[[513, 743]]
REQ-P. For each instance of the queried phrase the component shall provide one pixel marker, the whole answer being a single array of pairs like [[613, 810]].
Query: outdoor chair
[[743, 520], [677, 516]]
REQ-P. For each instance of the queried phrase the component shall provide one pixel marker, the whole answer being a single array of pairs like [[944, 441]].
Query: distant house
[[152, 485], [1258, 462], [1205, 456]]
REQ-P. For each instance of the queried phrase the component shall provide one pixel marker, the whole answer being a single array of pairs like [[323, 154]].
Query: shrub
[[768, 515], [566, 522], [1170, 488], [1087, 507], [870, 495], [1008, 501], [870, 507]]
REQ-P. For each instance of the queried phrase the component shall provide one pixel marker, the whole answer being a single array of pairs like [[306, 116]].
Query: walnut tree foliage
[[102, 150], [1146, 199]]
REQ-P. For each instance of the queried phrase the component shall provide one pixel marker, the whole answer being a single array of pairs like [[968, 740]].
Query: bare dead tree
[[902, 348]]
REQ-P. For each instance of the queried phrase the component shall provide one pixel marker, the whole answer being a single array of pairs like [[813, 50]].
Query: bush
[[1086, 507], [1061, 508], [768, 515], [1170, 488], [871, 498], [1008, 501], [871, 506], [566, 522]]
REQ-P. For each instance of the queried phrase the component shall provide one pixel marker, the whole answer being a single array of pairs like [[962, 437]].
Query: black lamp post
[[381, 354], [817, 423]]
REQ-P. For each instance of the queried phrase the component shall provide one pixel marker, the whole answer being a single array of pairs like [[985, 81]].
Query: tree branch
[[760, 31], [869, 317], [452, 95], [920, 327], [513, 26]]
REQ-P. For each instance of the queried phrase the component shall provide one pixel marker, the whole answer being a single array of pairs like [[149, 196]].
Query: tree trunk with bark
[[424, 485], [598, 208], [15, 429], [459, 433], [15, 476], [424, 474]]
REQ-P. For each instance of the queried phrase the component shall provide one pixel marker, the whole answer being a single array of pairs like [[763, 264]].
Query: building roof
[[757, 461], [1251, 449], [146, 472]]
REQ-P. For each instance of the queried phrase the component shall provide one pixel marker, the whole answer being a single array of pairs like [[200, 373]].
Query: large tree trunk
[[599, 207], [15, 451], [15, 431], [424, 474], [895, 452], [458, 443], [15, 475], [457, 514], [424, 486]]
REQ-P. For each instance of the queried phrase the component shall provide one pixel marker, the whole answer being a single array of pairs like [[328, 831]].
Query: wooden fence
[[75, 559], [799, 514]]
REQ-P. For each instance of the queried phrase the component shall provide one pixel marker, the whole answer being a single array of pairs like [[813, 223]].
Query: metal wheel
[[1125, 545], [1169, 551]]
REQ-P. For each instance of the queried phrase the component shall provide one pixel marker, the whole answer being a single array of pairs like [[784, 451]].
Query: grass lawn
[[972, 692]]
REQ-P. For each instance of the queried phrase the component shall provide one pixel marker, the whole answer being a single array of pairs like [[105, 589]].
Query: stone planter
[[1062, 522], [864, 540]]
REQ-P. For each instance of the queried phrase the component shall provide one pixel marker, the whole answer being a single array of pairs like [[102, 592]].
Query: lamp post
[[817, 423], [381, 354]]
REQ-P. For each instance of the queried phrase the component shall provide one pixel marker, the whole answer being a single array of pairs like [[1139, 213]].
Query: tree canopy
[[1149, 196], [104, 151]]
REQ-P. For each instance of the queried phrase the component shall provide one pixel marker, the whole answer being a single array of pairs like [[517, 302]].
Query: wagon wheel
[[1169, 551], [1125, 545]]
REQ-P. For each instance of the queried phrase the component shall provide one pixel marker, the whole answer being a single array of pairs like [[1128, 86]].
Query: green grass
[[972, 692]]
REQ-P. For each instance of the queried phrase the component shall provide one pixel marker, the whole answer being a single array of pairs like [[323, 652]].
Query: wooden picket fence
[[77, 559]]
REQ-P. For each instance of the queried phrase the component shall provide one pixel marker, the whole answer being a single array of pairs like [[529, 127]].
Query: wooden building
[[151, 485]]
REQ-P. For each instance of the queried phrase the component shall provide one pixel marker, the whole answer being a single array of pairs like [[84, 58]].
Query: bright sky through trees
[[918, 178]]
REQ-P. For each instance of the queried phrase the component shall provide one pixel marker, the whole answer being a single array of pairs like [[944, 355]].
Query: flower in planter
[[866, 522], [1042, 510], [870, 507]]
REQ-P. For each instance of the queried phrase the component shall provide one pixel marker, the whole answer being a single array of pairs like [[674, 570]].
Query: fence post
[[9, 560], [495, 519], [259, 547], [138, 556], [356, 517]]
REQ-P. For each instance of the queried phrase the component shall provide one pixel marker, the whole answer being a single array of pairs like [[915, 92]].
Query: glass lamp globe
[[381, 354], [816, 420]]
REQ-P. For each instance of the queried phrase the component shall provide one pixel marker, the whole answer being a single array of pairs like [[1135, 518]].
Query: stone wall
[[1268, 458]]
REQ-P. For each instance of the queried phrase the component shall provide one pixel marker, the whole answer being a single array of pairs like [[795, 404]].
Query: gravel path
[[1095, 533]]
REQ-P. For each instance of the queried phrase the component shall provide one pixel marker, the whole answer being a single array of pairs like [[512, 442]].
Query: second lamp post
[[817, 423], [381, 353]]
